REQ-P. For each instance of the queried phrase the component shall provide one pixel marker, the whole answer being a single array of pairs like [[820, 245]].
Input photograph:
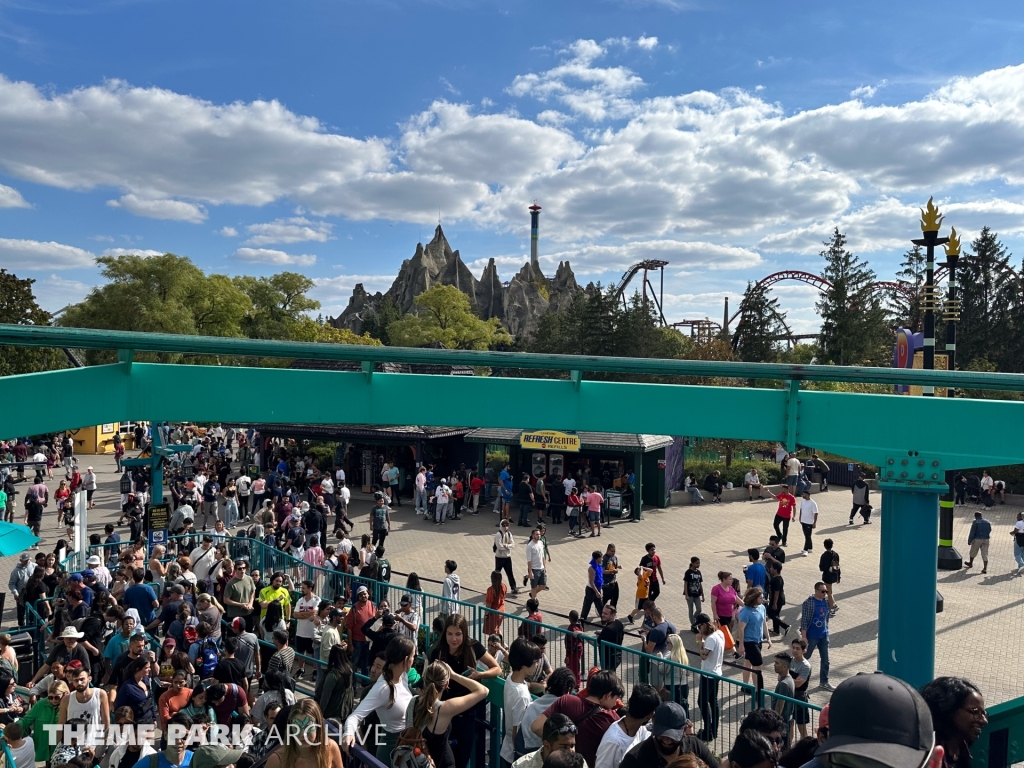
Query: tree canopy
[[18, 306], [444, 317]]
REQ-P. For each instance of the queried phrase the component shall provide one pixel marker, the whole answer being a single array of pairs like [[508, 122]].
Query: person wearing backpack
[[831, 574], [428, 718], [33, 513]]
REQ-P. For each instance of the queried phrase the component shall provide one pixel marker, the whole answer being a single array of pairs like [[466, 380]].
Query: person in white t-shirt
[[568, 483], [522, 657], [306, 614], [752, 481], [987, 484], [808, 519], [343, 496], [711, 644], [243, 485], [630, 730], [23, 749]]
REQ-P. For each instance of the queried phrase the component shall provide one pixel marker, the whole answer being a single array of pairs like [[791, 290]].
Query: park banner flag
[[550, 440]]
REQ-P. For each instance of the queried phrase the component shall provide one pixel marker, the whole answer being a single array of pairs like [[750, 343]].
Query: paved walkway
[[975, 605]]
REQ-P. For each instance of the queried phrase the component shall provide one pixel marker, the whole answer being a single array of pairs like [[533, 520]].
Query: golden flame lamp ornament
[[953, 245], [931, 219]]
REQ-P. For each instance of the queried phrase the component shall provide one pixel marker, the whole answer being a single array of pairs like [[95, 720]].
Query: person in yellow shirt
[[643, 589], [276, 591]]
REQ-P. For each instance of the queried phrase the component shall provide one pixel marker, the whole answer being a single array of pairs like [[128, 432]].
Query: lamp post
[[126, 483], [931, 220], [949, 558]]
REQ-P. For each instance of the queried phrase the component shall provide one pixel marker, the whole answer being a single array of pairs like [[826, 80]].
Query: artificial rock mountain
[[519, 304]]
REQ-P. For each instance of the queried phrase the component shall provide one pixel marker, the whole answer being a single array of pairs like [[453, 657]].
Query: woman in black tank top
[[433, 717]]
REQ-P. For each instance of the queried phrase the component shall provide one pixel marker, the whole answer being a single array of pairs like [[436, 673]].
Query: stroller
[[973, 489]]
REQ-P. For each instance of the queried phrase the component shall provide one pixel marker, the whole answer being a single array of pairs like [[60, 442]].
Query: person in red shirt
[[476, 487], [787, 503], [460, 495], [593, 715]]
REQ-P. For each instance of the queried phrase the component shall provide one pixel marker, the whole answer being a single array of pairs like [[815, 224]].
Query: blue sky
[[725, 137]]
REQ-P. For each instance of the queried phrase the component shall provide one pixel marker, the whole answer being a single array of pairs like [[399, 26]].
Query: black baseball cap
[[881, 718], [669, 721]]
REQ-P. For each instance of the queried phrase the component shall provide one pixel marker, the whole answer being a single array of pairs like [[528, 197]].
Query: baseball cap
[[238, 624], [170, 642], [335, 613], [388, 619], [880, 718], [213, 755], [25, 557], [406, 600], [669, 721], [88, 573], [75, 577], [361, 588]]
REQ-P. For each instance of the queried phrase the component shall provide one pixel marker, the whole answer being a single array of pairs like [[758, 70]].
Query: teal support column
[[907, 581], [156, 473]]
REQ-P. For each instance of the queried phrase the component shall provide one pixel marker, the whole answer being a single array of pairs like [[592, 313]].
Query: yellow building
[[100, 439]]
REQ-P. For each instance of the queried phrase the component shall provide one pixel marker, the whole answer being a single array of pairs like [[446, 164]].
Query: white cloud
[[647, 43], [54, 292], [175, 210], [593, 259], [864, 91], [295, 230], [11, 198], [449, 87], [269, 256], [144, 252], [36, 255], [595, 93], [227, 232]]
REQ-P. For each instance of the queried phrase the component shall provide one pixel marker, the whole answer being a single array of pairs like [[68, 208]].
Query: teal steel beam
[[80, 338], [869, 428], [792, 411]]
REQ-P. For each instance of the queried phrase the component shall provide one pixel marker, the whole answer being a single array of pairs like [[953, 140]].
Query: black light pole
[[931, 220], [951, 312]]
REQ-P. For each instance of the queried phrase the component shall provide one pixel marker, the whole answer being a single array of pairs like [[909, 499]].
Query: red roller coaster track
[[818, 282]]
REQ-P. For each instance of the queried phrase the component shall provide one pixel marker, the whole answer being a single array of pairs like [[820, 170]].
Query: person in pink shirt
[[259, 490], [594, 502]]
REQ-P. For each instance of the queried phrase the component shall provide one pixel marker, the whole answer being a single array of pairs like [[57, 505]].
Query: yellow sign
[[550, 440]]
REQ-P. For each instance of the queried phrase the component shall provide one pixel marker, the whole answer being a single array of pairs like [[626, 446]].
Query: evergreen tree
[[909, 312], [986, 284], [854, 323], [760, 327], [380, 317]]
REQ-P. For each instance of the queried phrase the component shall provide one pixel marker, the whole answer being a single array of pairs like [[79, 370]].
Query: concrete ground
[[975, 605]]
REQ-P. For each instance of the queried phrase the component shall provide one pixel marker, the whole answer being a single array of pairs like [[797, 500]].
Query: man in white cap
[[19, 580], [100, 571]]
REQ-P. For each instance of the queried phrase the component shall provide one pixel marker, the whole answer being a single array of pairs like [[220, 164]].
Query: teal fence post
[[907, 579]]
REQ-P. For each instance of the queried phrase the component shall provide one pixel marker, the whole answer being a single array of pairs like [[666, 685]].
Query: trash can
[[843, 474], [25, 649]]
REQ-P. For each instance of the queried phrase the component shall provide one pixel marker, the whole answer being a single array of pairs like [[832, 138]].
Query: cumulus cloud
[[144, 252], [294, 230], [227, 232], [54, 292], [175, 210], [596, 259], [270, 256], [34, 254], [11, 198], [647, 43], [596, 93]]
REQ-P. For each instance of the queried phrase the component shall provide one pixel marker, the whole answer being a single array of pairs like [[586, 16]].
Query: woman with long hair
[[465, 656], [51, 574], [433, 716], [276, 691], [274, 620], [495, 600], [198, 704], [412, 584], [367, 557], [175, 698], [334, 688], [389, 698], [135, 691], [157, 567], [306, 741]]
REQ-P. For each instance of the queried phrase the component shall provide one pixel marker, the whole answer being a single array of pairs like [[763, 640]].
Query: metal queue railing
[[716, 704]]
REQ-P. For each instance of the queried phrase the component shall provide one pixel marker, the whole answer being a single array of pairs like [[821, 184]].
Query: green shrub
[[770, 472]]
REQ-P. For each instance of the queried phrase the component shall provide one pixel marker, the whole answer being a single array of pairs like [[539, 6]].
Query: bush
[[1011, 474], [770, 472]]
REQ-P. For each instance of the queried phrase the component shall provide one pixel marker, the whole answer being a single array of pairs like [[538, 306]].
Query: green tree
[[761, 326], [854, 324], [158, 294], [984, 276], [308, 329], [278, 303], [444, 316], [909, 311], [380, 317], [18, 306]]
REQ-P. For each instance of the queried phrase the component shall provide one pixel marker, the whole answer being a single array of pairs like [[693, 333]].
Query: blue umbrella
[[15, 539]]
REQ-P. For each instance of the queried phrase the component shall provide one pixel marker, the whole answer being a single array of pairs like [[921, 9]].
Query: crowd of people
[[175, 634]]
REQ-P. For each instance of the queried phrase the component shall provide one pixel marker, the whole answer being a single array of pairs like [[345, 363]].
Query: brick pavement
[[719, 535]]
